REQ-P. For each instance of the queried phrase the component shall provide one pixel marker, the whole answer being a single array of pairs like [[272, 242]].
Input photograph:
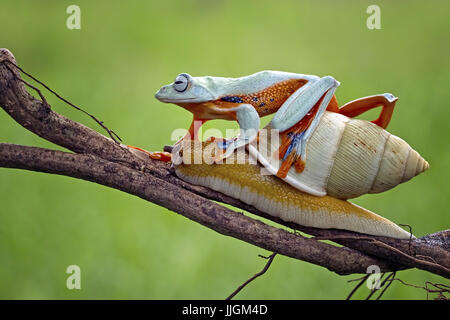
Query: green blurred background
[[126, 50]]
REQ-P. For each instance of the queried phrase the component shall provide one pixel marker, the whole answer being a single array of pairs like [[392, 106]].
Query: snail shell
[[346, 158]]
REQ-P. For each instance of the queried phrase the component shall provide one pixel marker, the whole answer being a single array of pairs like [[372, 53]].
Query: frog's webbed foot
[[159, 155], [249, 121], [225, 148], [215, 139], [294, 154], [297, 119]]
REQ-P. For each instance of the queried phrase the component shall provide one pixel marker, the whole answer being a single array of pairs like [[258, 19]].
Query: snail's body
[[273, 196]]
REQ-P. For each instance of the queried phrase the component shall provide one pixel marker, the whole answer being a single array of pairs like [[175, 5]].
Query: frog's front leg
[[191, 134], [298, 117], [158, 155], [249, 122]]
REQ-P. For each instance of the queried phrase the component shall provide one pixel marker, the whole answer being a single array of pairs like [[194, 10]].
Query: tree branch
[[100, 159], [149, 187]]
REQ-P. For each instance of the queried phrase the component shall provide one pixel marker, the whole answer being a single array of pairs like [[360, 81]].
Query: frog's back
[[253, 83], [265, 90]]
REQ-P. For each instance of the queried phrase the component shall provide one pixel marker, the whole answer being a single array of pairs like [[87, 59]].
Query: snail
[[346, 158]]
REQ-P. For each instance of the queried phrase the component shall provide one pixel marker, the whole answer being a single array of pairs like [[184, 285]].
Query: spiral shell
[[346, 158]]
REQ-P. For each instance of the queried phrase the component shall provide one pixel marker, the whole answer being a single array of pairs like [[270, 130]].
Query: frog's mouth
[[192, 95], [162, 99]]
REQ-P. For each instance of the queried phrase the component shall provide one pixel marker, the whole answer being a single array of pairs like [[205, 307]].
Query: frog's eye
[[181, 83]]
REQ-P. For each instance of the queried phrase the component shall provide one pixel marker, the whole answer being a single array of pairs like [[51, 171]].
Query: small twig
[[26, 83], [418, 261], [111, 133], [266, 267], [422, 257], [389, 278], [357, 279], [410, 236], [362, 280], [441, 288]]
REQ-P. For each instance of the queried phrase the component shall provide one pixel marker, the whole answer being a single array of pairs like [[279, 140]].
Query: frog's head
[[187, 89]]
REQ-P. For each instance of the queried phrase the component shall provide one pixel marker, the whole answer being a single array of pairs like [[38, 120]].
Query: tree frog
[[298, 101]]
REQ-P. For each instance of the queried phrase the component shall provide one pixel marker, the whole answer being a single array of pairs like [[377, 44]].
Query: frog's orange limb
[[351, 109], [333, 106], [301, 126], [287, 139], [192, 133], [159, 155], [215, 139], [299, 165], [356, 107], [285, 143], [287, 164]]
